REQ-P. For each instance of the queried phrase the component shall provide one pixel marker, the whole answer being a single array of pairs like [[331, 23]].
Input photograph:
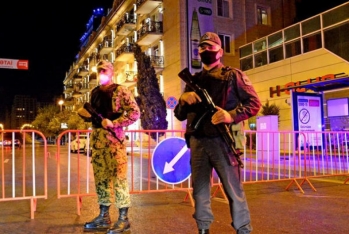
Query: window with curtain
[[262, 15], [225, 39], [223, 7]]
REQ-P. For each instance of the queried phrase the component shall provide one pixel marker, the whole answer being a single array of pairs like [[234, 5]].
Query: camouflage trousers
[[110, 174]]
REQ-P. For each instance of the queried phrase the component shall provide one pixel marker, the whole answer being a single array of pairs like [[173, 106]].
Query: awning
[[322, 86]]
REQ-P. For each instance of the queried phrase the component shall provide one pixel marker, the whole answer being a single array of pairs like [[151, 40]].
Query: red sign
[[14, 64], [278, 89]]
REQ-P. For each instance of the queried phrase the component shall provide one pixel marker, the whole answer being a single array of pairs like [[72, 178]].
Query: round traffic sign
[[171, 102], [171, 160]]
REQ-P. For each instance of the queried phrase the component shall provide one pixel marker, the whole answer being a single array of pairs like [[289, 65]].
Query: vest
[[217, 84], [101, 101]]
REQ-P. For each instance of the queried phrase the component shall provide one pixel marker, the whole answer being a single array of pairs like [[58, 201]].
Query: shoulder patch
[[244, 77], [246, 80]]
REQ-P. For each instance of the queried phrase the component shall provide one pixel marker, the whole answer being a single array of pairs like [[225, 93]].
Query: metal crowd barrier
[[268, 156], [23, 171], [295, 156], [75, 174]]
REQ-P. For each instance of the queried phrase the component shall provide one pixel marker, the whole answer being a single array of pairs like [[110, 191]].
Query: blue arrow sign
[[171, 160]]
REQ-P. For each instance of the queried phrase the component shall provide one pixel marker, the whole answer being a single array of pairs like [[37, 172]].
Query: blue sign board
[[171, 160]]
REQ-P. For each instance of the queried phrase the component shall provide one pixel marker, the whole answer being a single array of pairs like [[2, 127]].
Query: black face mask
[[209, 57]]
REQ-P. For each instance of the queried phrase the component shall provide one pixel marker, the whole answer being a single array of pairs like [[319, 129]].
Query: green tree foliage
[[270, 109], [150, 100], [76, 122], [43, 118], [49, 119]]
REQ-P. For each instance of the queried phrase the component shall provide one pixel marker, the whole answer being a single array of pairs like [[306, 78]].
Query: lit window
[[226, 45], [223, 8], [262, 15]]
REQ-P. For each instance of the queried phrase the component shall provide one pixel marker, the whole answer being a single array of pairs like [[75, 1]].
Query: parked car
[[17, 143], [90, 151], [8, 143], [78, 144]]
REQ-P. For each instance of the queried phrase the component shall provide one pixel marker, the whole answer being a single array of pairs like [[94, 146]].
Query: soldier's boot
[[122, 224], [101, 223]]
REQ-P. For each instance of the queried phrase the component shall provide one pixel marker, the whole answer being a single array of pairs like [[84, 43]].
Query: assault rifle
[[223, 128], [98, 117]]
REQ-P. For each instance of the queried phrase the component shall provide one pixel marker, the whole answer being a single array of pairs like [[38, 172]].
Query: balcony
[[157, 62], [83, 71], [94, 59], [77, 78], [126, 25], [69, 101], [85, 88], [77, 94], [106, 47], [93, 80], [149, 33], [146, 6], [69, 88], [131, 76], [124, 53]]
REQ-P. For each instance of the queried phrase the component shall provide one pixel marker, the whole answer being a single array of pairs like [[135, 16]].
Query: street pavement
[[273, 211]]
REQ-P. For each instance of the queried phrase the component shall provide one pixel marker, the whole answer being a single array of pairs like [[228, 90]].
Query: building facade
[[313, 57], [162, 29], [24, 110]]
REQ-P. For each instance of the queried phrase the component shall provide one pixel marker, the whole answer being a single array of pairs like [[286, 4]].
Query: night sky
[[48, 35]]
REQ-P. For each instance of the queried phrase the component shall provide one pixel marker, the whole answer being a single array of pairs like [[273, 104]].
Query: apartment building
[[23, 111], [165, 30]]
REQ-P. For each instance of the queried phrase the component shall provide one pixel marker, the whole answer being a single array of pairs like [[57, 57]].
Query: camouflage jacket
[[126, 112]]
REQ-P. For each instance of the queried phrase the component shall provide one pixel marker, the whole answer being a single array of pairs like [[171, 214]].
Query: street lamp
[[60, 103]]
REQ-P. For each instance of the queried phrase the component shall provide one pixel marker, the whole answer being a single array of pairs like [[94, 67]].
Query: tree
[[43, 120], [270, 109], [49, 119], [150, 100], [76, 122]]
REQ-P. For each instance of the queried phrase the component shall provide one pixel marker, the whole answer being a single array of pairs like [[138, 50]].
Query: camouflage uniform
[[109, 158]]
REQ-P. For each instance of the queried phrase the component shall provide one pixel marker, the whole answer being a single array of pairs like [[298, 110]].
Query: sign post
[[308, 117], [171, 103]]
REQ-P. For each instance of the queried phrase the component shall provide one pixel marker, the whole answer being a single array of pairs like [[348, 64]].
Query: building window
[[293, 48], [226, 45], [312, 42], [262, 15], [223, 7]]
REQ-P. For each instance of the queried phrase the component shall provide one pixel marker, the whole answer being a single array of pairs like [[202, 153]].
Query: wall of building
[[299, 68], [241, 26]]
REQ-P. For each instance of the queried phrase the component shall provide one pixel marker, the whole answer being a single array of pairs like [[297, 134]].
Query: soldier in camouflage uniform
[[236, 100], [109, 159]]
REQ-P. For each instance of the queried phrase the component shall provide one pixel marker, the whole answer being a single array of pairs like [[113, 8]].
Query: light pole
[[2, 127], [60, 103]]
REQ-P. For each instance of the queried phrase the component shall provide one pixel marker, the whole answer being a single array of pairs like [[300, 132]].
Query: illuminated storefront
[[312, 56]]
